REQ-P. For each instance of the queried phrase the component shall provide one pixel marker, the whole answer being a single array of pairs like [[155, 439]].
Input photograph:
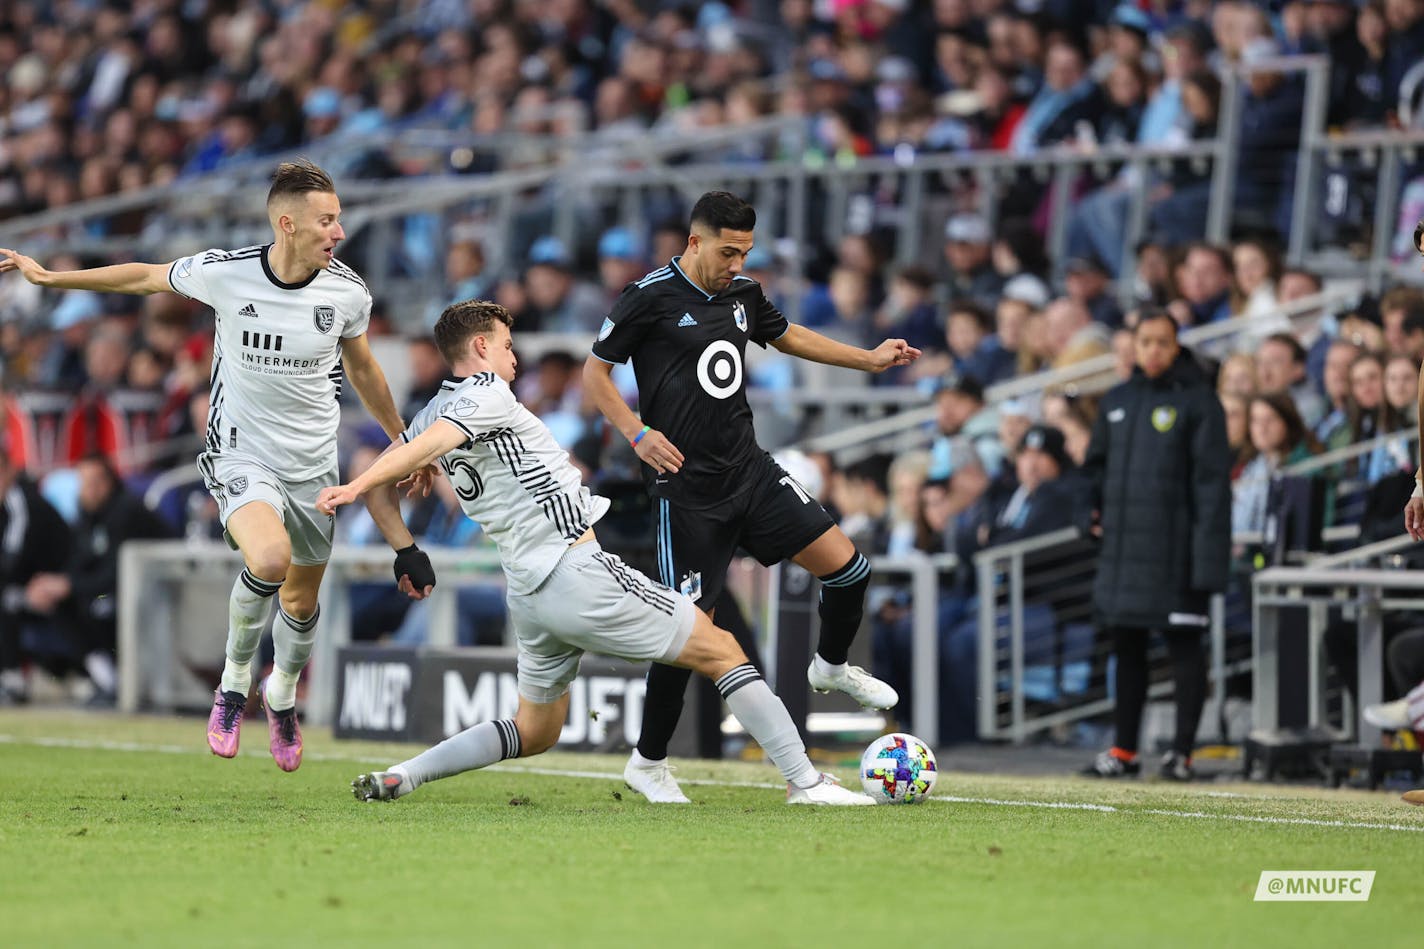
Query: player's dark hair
[[721, 210], [1149, 314], [465, 320], [299, 177], [1418, 234]]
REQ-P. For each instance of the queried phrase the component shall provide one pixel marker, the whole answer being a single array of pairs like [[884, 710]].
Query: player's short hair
[[1418, 234], [461, 322], [299, 177], [722, 210]]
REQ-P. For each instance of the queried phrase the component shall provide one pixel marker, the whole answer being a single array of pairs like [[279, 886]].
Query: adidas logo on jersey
[[248, 310], [687, 320]]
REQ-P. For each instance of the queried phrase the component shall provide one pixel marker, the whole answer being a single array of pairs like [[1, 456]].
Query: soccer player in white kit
[[566, 594], [290, 318]]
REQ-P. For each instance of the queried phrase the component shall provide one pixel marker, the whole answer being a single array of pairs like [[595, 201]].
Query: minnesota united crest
[[323, 318], [739, 316]]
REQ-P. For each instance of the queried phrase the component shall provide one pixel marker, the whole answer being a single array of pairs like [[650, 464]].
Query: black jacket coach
[[1159, 467]]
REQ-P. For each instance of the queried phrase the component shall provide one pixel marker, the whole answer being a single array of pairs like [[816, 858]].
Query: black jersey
[[687, 349]]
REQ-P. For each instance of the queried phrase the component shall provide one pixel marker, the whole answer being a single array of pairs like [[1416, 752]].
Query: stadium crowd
[[103, 98]]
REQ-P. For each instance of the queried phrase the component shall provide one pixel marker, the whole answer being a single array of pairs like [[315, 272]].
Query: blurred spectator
[[1334, 430], [962, 419], [82, 599], [1067, 97], [558, 303], [34, 542], [620, 261], [1256, 267], [1085, 282], [1235, 409], [967, 250], [1204, 280], [1270, 133], [1237, 376], [1372, 416], [1160, 470], [1278, 438], [1401, 388], [1402, 318], [1071, 335], [908, 310], [1368, 98], [860, 492], [1280, 367], [427, 371]]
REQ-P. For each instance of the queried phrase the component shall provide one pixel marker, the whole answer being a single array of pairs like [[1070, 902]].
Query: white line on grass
[[128, 746]]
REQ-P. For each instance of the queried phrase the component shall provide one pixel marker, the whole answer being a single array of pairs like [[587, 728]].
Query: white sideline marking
[[128, 746]]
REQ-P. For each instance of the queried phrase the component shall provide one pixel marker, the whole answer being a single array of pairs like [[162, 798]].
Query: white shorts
[[593, 602], [234, 481]]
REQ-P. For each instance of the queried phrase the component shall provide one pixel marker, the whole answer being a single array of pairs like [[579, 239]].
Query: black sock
[[842, 605], [662, 707], [1189, 679], [1130, 645]]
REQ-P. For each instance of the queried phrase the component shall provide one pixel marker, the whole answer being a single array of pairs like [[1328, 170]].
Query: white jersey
[[276, 357], [511, 477]]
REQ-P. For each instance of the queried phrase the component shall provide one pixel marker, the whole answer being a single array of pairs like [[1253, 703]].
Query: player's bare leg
[[534, 729], [844, 574]]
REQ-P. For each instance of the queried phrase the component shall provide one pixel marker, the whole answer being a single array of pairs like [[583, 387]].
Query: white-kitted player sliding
[[566, 594]]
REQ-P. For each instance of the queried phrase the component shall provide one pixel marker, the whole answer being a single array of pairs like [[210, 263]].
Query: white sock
[[765, 718], [249, 607], [281, 690], [478, 746], [638, 761], [825, 668], [100, 666]]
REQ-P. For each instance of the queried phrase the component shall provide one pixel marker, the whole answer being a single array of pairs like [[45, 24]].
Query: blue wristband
[[639, 437]]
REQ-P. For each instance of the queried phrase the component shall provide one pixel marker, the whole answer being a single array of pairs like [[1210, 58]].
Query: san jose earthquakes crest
[[323, 318], [739, 316], [237, 485]]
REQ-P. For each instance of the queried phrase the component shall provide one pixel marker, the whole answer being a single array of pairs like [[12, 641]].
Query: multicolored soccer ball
[[898, 769]]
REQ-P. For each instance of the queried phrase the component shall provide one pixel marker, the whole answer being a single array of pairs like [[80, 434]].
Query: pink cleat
[[225, 723], [285, 734]]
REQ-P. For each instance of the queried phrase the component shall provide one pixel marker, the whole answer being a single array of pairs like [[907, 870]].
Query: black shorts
[[773, 520]]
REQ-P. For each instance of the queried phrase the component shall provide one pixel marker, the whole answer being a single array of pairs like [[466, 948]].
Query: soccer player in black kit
[[714, 489]]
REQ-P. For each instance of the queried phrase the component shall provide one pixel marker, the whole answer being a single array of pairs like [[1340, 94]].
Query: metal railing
[[909, 429], [152, 575], [1054, 572], [1336, 582]]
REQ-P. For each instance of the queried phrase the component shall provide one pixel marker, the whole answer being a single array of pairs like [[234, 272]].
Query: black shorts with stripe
[[774, 518]]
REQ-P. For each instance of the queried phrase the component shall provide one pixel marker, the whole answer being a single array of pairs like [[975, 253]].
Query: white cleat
[[1389, 715], [380, 786], [655, 782], [828, 790], [857, 683]]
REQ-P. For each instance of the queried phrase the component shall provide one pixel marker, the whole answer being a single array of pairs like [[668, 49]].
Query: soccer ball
[[898, 769]]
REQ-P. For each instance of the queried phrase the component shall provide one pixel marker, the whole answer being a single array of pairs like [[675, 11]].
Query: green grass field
[[125, 831]]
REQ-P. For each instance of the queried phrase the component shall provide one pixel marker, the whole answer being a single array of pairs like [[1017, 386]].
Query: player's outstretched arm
[[808, 344], [369, 380], [651, 445], [394, 464], [119, 278]]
